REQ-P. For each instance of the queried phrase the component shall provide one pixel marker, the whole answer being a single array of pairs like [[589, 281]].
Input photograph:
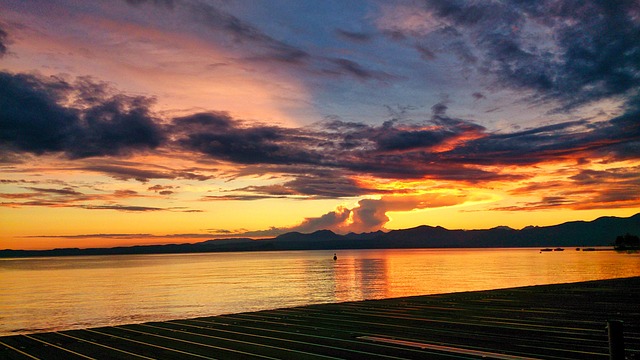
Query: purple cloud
[[35, 118]]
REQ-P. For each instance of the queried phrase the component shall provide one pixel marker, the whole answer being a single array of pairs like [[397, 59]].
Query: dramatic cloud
[[444, 148], [587, 189], [81, 119], [391, 150], [371, 214], [330, 186], [573, 52], [616, 139], [334, 220], [219, 136], [321, 185]]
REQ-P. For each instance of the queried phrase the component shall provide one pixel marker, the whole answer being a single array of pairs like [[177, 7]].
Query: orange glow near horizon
[[413, 203]]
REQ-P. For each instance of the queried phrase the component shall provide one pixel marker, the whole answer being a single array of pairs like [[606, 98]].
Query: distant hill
[[600, 232]]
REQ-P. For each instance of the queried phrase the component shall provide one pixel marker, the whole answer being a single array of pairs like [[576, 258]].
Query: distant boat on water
[[546, 249], [558, 249]]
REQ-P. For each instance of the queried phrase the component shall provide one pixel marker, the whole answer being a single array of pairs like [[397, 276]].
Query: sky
[[171, 121]]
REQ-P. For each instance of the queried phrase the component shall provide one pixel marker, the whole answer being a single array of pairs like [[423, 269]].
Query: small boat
[[558, 249], [546, 249]]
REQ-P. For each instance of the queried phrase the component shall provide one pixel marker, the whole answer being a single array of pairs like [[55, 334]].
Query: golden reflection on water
[[43, 294]]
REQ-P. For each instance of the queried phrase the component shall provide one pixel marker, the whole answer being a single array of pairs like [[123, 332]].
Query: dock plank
[[562, 321]]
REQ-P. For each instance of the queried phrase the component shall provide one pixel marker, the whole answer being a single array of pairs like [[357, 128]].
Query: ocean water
[[58, 293]]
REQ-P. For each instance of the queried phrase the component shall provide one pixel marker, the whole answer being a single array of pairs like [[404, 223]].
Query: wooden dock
[[565, 321]]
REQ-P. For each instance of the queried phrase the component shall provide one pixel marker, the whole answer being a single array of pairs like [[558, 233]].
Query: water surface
[[46, 294]]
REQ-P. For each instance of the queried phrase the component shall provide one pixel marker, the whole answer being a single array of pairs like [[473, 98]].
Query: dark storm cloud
[[449, 148], [616, 139], [399, 139], [595, 51], [621, 136], [36, 117], [330, 186], [322, 159], [221, 137], [392, 150], [84, 118], [327, 185], [393, 136]]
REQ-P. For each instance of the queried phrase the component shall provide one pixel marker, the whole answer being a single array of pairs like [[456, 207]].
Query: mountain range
[[600, 232]]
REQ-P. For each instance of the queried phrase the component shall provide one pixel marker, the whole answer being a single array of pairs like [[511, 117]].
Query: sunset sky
[[172, 121]]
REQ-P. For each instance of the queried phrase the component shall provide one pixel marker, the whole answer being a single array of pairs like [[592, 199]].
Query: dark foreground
[[543, 322]]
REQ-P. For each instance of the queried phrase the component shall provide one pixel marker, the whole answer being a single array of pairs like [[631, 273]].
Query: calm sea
[[47, 294]]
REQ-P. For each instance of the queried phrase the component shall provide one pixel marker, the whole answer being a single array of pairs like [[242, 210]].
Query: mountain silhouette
[[600, 232]]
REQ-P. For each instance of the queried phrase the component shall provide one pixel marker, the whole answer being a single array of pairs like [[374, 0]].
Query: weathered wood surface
[[566, 321]]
